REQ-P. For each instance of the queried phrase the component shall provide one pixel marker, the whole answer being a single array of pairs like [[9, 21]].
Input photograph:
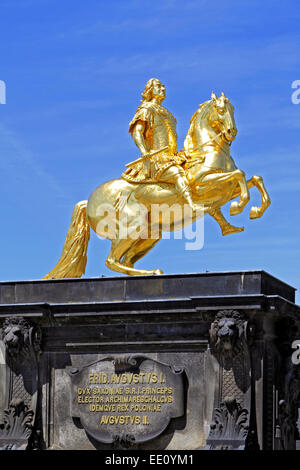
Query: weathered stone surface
[[228, 336]]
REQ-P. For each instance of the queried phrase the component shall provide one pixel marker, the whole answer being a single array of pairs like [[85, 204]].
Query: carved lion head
[[15, 335], [227, 332]]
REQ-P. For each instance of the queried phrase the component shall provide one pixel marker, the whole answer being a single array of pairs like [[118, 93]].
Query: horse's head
[[222, 117]]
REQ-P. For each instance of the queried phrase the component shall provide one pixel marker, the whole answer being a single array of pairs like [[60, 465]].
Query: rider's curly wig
[[147, 93]]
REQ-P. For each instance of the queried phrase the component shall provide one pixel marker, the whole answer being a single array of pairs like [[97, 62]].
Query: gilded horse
[[214, 180]]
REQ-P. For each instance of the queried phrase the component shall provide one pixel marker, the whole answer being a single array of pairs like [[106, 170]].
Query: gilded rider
[[153, 129]]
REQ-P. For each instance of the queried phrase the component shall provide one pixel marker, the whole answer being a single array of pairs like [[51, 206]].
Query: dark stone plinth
[[138, 288], [219, 346]]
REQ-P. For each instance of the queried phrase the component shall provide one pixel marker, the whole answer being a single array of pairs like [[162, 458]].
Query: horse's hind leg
[[139, 250], [118, 250], [225, 226]]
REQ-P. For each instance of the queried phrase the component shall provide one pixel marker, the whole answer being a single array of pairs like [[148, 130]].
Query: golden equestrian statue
[[202, 175]]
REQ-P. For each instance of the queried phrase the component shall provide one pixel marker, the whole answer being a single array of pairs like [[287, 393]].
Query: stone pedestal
[[177, 362]]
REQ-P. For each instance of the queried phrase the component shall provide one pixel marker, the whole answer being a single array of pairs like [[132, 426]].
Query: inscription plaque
[[129, 398]]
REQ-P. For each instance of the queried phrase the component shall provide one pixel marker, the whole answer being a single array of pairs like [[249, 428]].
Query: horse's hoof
[[231, 229], [157, 271], [235, 208], [254, 213]]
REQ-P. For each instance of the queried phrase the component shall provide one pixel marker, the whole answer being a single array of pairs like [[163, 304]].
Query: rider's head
[[154, 89]]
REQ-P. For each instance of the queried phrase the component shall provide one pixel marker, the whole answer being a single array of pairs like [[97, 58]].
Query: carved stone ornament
[[230, 427], [126, 400], [229, 333], [123, 441], [21, 338], [17, 426], [287, 430]]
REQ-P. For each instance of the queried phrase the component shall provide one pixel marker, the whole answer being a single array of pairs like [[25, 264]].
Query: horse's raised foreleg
[[118, 250], [257, 181], [257, 212], [239, 177], [237, 207]]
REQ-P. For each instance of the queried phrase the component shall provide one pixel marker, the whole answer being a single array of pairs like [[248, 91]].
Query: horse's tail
[[73, 259]]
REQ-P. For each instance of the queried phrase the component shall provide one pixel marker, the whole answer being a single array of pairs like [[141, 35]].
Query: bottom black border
[[146, 459]]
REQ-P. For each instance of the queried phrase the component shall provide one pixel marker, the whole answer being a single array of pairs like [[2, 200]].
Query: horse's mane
[[202, 111], [201, 114]]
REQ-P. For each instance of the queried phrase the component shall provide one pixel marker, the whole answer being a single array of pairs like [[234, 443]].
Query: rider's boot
[[188, 197], [183, 188]]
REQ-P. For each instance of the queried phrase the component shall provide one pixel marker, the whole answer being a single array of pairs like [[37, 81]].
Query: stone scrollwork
[[123, 441], [230, 426], [125, 362], [16, 427]]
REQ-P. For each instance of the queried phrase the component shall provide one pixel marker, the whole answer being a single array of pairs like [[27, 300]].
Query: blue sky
[[74, 72]]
